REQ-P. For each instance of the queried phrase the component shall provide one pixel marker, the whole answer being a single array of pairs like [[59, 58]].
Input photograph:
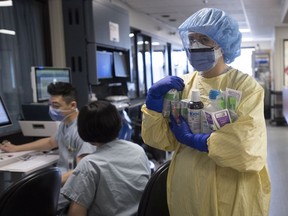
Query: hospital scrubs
[[111, 180], [232, 178], [70, 145]]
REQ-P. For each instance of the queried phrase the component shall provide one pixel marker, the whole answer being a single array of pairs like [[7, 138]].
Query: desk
[[14, 166]]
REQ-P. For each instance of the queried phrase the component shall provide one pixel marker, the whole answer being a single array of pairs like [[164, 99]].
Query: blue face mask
[[203, 59], [57, 114]]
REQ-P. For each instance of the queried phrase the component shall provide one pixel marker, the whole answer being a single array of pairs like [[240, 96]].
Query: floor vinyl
[[278, 167]]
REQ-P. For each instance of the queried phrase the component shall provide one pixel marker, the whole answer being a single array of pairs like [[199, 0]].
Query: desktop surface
[[26, 161], [16, 165]]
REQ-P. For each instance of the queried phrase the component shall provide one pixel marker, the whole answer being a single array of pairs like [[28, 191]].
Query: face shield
[[202, 52]]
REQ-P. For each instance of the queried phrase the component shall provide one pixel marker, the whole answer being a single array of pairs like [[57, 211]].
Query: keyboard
[[29, 164]]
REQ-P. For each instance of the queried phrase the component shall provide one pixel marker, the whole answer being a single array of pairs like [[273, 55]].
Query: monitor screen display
[[120, 65], [4, 116], [104, 64], [43, 76]]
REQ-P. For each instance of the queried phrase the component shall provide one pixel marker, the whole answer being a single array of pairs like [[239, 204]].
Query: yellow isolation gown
[[233, 178]]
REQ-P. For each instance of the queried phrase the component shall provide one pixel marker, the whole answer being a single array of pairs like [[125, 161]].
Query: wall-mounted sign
[[114, 32]]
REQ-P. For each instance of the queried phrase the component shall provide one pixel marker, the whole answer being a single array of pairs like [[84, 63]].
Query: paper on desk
[[34, 163], [7, 158]]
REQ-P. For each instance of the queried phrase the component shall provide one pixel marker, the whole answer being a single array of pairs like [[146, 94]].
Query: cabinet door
[[107, 24]]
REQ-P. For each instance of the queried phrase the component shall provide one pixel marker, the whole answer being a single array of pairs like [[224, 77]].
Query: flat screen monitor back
[[36, 112]]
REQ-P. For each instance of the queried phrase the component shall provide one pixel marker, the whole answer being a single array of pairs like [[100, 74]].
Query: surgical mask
[[203, 58], [58, 115]]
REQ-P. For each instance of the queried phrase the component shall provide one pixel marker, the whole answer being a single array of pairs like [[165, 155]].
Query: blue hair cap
[[218, 26]]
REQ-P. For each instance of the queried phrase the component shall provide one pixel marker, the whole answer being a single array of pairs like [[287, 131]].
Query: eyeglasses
[[202, 39]]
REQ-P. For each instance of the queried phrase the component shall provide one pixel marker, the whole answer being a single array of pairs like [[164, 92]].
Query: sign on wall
[[114, 32]]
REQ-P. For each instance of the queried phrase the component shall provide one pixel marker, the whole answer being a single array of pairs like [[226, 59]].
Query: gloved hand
[[155, 96], [184, 135]]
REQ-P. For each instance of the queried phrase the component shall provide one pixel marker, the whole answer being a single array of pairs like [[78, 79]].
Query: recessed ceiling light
[[244, 30], [155, 43], [6, 3], [5, 31]]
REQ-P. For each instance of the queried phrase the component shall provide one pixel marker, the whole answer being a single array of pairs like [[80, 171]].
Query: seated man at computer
[[63, 107], [111, 180]]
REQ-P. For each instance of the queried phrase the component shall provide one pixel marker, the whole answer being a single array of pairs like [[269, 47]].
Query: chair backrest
[[34, 195], [154, 198]]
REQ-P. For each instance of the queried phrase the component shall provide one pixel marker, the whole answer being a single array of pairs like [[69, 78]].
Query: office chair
[[154, 199], [34, 195], [126, 130]]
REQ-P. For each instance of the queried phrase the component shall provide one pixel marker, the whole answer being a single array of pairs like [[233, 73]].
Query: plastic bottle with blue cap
[[216, 113]]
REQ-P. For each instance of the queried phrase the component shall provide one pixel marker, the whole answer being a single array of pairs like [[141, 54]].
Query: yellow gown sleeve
[[156, 131]]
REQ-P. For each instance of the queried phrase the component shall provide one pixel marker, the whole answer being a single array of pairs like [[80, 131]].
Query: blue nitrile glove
[[184, 135], [155, 96]]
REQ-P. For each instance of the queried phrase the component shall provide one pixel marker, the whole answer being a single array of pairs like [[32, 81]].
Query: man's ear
[[74, 105]]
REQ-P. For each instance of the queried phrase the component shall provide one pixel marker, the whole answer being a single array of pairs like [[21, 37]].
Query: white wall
[[151, 26], [264, 45]]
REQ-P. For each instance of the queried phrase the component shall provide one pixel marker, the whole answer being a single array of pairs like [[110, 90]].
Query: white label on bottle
[[194, 120]]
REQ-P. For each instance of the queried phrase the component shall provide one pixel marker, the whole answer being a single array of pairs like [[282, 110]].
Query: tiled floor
[[278, 167]]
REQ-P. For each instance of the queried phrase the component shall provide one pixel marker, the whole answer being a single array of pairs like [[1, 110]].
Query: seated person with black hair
[[111, 180], [63, 107]]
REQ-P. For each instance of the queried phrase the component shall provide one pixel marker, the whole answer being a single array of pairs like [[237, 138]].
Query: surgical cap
[[215, 24]]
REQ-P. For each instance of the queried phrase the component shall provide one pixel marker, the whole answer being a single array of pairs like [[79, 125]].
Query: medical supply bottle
[[170, 96], [214, 101], [213, 106], [195, 107]]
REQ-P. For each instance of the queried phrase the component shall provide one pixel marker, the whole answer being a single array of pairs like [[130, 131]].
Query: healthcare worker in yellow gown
[[223, 173]]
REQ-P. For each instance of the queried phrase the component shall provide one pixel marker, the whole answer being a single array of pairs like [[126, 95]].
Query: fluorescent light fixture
[[244, 30], [247, 39], [131, 35], [155, 43], [141, 42], [6, 3], [9, 32]]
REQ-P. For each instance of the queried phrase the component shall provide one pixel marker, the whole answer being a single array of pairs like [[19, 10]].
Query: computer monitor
[[42, 76], [104, 62], [4, 115], [120, 65], [36, 112]]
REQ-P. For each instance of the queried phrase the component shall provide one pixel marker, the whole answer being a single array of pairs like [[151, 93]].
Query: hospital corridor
[[277, 162]]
